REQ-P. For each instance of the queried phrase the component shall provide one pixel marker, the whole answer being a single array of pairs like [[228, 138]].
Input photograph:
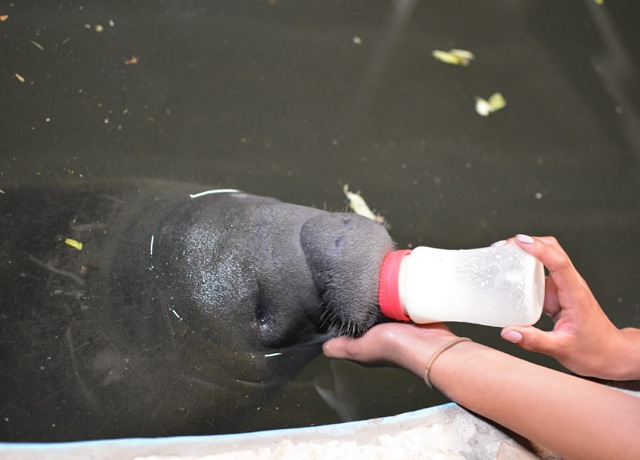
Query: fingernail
[[512, 336], [526, 239], [497, 244]]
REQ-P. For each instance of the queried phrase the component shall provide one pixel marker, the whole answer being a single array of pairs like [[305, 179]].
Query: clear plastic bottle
[[494, 286]]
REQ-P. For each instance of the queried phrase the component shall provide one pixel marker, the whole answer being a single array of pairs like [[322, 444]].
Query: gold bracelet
[[437, 353]]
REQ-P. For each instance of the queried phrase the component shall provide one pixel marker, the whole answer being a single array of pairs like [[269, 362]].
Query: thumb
[[532, 339], [336, 347]]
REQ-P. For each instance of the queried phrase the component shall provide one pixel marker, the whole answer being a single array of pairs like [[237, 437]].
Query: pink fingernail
[[512, 336], [526, 239], [498, 244]]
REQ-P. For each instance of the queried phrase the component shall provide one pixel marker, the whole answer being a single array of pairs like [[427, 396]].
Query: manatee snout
[[345, 253]]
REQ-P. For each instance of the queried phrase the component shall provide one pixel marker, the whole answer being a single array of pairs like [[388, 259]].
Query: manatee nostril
[[339, 242], [260, 313]]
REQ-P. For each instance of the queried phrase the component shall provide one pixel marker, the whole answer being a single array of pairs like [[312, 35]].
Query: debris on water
[[4, 17], [133, 60], [454, 56], [359, 206], [599, 2], [20, 78], [485, 107], [37, 45], [98, 28], [73, 243]]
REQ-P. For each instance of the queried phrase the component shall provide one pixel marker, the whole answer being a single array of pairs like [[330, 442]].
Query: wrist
[[626, 366], [414, 348], [452, 365], [436, 354]]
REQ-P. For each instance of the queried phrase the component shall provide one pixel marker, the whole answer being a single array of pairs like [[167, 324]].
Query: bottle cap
[[388, 292]]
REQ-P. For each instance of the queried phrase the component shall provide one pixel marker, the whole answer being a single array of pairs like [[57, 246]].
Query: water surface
[[295, 99]]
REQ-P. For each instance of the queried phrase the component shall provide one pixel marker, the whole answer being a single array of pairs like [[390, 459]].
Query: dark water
[[294, 99]]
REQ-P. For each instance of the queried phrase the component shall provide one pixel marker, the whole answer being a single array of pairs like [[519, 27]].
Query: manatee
[[180, 311]]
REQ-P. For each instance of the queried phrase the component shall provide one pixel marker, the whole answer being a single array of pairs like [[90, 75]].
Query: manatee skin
[[179, 313]]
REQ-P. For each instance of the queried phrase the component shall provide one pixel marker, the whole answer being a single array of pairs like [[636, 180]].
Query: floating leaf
[[73, 243], [485, 107], [359, 206], [454, 56]]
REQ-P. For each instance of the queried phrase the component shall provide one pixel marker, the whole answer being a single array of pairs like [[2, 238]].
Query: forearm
[[573, 417]]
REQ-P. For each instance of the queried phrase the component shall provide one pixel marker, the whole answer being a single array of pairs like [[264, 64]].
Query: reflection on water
[[295, 99]]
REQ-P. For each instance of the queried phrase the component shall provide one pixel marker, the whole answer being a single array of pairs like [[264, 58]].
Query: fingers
[[543, 247], [338, 348], [389, 343], [548, 250], [553, 256], [373, 346], [533, 339], [564, 283]]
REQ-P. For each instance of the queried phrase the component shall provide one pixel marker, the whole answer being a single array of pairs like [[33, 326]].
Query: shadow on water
[[294, 99]]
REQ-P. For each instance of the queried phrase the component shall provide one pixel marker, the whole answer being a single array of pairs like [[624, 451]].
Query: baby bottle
[[494, 286]]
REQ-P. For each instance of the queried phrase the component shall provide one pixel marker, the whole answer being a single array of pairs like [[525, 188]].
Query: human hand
[[583, 339], [405, 345]]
